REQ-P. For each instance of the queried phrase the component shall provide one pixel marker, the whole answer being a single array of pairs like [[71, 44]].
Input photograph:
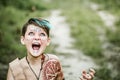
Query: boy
[[37, 65]]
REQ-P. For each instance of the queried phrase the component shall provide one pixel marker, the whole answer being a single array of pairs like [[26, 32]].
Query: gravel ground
[[72, 60]]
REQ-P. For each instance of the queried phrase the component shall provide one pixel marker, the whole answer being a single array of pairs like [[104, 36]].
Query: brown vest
[[21, 71], [17, 70]]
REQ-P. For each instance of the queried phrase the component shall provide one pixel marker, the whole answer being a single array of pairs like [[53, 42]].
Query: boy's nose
[[37, 37]]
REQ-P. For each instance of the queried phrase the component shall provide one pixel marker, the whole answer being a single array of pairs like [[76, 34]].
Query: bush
[[109, 4], [113, 36], [103, 74], [24, 5]]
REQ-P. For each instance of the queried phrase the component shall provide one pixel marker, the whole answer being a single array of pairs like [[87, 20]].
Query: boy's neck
[[34, 60]]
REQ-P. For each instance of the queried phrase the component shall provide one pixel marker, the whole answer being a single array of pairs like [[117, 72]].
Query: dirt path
[[72, 60]]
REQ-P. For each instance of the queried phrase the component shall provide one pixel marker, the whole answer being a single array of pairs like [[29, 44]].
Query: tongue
[[35, 48]]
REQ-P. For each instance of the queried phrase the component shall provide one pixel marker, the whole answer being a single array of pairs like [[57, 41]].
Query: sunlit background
[[86, 34]]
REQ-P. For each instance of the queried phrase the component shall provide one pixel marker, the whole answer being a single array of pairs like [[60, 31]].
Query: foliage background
[[83, 22]]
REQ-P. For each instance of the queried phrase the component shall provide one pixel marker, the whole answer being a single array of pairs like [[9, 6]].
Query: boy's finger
[[87, 76], [81, 78], [84, 72], [91, 74], [92, 70]]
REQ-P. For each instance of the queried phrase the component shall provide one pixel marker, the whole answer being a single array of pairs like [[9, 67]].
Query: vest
[[17, 70], [21, 71]]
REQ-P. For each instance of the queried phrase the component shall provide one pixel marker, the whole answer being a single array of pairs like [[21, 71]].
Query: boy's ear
[[48, 42], [22, 40]]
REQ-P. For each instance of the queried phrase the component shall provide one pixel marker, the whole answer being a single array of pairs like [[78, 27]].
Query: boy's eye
[[42, 34], [31, 33]]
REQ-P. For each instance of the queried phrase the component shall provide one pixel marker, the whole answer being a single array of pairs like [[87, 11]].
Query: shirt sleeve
[[59, 72], [53, 70]]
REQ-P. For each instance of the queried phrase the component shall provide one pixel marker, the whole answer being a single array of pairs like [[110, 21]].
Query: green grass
[[83, 22]]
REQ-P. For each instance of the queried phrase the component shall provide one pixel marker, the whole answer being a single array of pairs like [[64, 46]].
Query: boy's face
[[35, 40]]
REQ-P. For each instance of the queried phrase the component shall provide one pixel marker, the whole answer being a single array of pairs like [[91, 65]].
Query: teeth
[[36, 43]]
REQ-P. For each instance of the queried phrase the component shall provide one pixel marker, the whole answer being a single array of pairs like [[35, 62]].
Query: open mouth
[[36, 46]]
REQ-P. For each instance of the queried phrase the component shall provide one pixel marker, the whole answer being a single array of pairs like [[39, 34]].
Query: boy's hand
[[89, 75]]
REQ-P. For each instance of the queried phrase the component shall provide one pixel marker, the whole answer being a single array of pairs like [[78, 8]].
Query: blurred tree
[[24, 5]]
